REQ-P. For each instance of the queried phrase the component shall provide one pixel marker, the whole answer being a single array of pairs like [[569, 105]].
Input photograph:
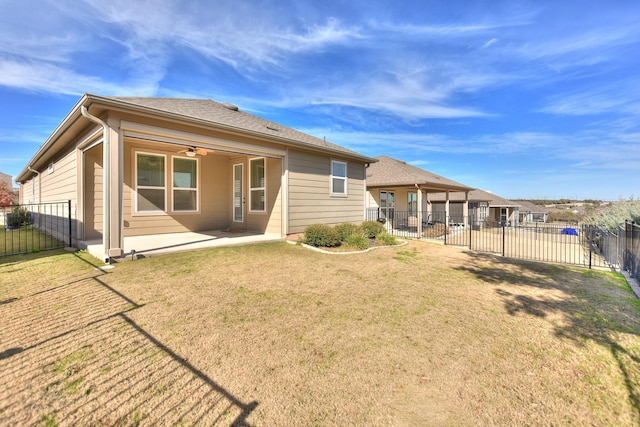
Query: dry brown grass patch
[[276, 334]]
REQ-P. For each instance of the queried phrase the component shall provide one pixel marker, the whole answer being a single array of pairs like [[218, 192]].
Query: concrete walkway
[[144, 246]]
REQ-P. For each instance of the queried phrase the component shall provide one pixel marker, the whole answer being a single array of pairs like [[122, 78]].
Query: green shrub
[[386, 239], [357, 240], [372, 228], [346, 229], [321, 235], [18, 217]]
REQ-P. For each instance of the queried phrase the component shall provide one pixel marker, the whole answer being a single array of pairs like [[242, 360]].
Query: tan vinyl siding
[[214, 193], [310, 199], [93, 198], [62, 183]]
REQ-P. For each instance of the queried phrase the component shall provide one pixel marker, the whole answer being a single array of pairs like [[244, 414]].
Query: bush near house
[[351, 235], [18, 217], [372, 228], [346, 229], [321, 235]]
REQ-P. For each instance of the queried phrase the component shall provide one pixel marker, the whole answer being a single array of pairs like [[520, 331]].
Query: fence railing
[[35, 227], [567, 243], [621, 248]]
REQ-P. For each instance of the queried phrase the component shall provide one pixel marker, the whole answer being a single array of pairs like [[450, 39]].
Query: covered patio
[[144, 246]]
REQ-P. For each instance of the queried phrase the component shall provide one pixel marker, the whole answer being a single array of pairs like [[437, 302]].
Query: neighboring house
[[530, 212], [398, 192], [481, 205], [146, 166]]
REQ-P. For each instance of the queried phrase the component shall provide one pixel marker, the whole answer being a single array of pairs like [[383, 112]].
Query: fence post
[[471, 220], [590, 241], [503, 238]]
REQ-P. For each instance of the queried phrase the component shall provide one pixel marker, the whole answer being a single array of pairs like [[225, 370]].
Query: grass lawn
[[276, 334], [25, 240]]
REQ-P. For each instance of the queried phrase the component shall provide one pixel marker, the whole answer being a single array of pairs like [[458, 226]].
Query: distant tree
[[615, 214], [7, 196]]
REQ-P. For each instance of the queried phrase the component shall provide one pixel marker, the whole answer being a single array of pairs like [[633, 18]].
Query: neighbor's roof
[[201, 112], [531, 207], [390, 172], [475, 195]]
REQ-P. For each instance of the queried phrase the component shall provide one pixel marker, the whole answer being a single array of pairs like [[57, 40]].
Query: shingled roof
[[476, 195], [204, 113], [390, 172], [230, 117]]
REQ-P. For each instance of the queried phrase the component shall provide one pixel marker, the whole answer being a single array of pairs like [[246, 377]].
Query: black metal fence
[[567, 243], [621, 247], [35, 227]]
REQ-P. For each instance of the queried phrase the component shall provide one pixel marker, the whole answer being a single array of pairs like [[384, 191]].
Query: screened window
[[258, 191], [185, 184], [338, 177], [150, 183]]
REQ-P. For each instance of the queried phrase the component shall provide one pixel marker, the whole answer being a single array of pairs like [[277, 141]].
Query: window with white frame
[[185, 184], [150, 183], [257, 180], [338, 178], [412, 203]]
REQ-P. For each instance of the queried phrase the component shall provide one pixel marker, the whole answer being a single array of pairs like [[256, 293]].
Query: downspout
[[39, 184], [106, 194]]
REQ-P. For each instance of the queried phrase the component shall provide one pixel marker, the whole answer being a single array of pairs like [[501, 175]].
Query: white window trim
[[332, 177], [197, 189], [233, 194], [252, 189], [136, 187]]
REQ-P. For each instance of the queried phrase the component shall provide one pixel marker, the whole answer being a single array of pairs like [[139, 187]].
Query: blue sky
[[535, 99]]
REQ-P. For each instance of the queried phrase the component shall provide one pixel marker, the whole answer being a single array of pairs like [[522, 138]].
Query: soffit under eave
[[74, 126]]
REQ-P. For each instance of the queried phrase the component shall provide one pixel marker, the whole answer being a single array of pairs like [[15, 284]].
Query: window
[[258, 191], [387, 204], [412, 203], [185, 184], [338, 178], [150, 183]]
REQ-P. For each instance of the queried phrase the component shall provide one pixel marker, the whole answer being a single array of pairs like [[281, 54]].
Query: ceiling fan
[[192, 151]]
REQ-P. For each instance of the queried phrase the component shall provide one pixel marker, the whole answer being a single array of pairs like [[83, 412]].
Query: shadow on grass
[[74, 353], [595, 305]]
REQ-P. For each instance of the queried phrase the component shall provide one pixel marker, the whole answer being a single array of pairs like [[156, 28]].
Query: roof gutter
[[106, 181]]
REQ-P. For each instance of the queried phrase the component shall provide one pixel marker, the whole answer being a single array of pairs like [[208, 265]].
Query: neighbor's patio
[[144, 246]]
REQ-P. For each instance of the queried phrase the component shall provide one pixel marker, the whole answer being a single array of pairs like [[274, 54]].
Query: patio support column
[[427, 205], [419, 211], [465, 209], [446, 210], [116, 177]]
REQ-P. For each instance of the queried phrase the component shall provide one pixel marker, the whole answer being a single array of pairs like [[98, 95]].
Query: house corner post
[[115, 195]]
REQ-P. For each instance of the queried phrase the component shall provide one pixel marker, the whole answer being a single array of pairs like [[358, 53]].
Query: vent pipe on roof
[[106, 182], [229, 106]]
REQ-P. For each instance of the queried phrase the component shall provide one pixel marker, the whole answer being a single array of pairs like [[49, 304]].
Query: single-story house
[[399, 192], [134, 166], [530, 212], [481, 205]]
